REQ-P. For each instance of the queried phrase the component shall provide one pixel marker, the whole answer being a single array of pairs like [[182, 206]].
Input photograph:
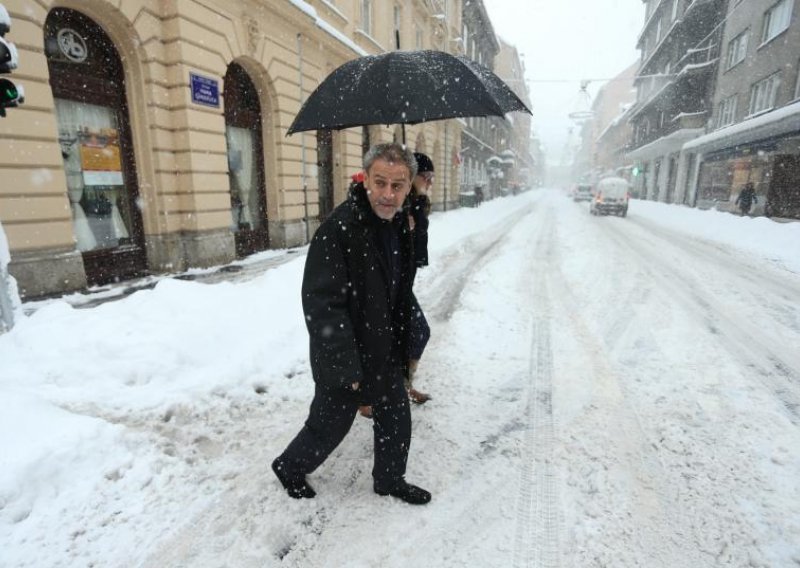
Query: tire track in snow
[[645, 530], [698, 486], [537, 540], [462, 262], [778, 369], [624, 445]]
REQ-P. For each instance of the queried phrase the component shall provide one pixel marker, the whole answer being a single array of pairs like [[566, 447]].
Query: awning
[[785, 120], [665, 145]]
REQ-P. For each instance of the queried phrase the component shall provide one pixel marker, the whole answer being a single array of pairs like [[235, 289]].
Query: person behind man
[[357, 302], [746, 198], [420, 208]]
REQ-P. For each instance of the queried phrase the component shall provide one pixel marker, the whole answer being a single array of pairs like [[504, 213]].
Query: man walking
[[746, 198], [357, 301]]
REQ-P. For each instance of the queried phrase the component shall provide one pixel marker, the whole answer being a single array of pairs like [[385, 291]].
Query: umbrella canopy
[[405, 87]]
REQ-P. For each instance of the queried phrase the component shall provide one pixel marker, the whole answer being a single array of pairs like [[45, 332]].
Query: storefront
[[722, 176], [88, 85], [764, 151]]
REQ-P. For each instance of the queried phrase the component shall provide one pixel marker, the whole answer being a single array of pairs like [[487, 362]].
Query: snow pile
[[760, 236]]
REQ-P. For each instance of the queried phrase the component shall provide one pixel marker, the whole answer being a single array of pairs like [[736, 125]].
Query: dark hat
[[424, 163]]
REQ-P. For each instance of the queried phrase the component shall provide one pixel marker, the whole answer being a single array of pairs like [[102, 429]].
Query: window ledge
[[334, 10], [773, 38], [370, 39], [735, 65], [758, 113]]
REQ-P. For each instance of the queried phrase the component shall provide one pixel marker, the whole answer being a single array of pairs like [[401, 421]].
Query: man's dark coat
[[356, 335]]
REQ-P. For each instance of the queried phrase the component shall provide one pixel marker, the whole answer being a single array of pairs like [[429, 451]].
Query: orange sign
[[101, 160]]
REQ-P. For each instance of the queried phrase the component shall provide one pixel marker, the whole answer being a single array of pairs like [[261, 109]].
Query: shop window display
[[89, 140]]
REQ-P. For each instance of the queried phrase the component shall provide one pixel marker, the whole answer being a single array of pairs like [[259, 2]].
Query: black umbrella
[[405, 87]]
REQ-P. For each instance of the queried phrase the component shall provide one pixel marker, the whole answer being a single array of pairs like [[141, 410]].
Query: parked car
[[611, 196], [582, 192]]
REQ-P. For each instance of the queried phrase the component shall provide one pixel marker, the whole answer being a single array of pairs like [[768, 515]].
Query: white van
[[610, 196]]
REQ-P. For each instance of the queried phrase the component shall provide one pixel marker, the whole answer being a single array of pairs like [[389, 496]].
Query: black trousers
[[329, 420]]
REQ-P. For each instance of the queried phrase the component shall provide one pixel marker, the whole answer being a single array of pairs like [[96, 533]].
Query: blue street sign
[[205, 91]]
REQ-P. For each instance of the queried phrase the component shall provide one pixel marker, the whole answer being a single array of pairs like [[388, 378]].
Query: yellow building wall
[[180, 148]]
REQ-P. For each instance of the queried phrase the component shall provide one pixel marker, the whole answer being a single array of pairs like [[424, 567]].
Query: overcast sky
[[567, 39]]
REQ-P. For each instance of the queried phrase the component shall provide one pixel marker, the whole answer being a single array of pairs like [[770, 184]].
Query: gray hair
[[391, 152]]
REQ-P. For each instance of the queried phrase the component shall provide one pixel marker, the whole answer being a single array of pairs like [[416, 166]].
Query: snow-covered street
[[606, 392]]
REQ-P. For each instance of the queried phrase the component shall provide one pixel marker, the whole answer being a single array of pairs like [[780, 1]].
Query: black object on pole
[[11, 95]]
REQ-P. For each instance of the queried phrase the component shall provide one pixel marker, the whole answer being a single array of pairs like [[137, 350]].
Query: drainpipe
[[303, 139], [448, 163]]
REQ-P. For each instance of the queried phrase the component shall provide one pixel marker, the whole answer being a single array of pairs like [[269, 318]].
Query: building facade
[[153, 137], [753, 135], [479, 137], [679, 44], [611, 128], [513, 145]]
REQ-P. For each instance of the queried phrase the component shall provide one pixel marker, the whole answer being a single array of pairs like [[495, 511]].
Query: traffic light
[[11, 95], [635, 171]]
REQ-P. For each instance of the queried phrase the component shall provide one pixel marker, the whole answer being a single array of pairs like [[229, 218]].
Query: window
[[737, 49], [776, 19], [727, 111], [674, 9], [764, 93], [366, 16]]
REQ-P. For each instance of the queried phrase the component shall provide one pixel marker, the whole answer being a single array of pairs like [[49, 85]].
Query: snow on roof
[[776, 122], [681, 115], [695, 66], [327, 26]]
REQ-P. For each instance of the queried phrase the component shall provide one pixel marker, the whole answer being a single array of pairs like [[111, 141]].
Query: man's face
[[388, 184]]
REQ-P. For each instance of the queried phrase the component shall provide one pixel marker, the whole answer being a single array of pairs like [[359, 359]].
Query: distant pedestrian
[[478, 195], [358, 303], [746, 198]]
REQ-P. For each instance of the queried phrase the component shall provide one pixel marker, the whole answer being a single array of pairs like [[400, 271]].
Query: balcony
[[660, 89], [698, 63], [692, 120], [696, 8]]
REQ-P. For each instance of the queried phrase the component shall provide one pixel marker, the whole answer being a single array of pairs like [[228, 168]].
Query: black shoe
[[406, 492], [297, 488]]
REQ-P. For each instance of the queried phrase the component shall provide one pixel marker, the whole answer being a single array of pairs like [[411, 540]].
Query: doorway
[[245, 162]]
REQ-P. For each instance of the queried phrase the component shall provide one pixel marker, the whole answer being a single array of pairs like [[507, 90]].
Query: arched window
[[88, 83], [245, 162]]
